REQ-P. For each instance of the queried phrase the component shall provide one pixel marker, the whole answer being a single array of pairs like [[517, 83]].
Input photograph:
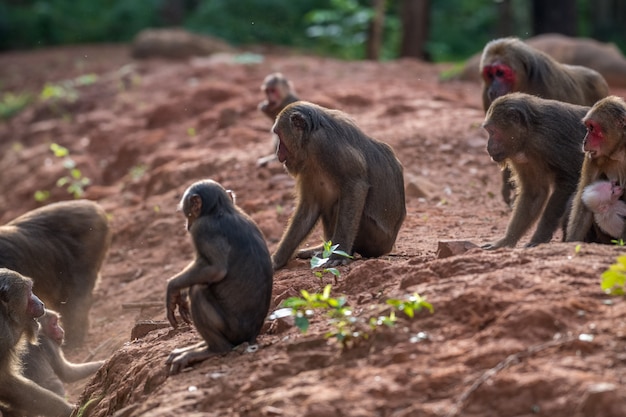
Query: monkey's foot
[[186, 357]]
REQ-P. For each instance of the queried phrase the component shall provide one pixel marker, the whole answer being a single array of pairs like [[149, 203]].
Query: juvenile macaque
[[279, 92], [352, 182], [605, 148], [44, 362], [229, 283], [540, 141], [19, 309], [603, 199], [61, 247], [509, 65]]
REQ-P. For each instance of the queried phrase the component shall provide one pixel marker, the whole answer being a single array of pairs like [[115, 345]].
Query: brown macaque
[[509, 65], [352, 182], [279, 92], [226, 290], [44, 362], [19, 309], [61, 247], [540, 141], [609, 212], [605, 159]]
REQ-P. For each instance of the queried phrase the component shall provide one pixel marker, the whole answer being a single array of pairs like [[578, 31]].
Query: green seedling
[[74, 182], [614, 278], [328, 251]]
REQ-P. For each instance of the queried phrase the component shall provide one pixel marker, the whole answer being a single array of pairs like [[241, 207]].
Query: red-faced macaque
[[226, 290], [609, 212], [279, 92], [60, 246], [605, 148], [353, 183], [540, 141], [509, 65], [19, 309], [44, 362]]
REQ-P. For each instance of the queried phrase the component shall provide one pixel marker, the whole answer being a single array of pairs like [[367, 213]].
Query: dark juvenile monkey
[[229, 281], [44, 362], [61, 247], [605, 148], [540, 141], [352, 182], [510, 65], [19, 308], [279, 92]]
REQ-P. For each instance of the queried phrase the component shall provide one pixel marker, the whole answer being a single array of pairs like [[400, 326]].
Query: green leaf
[[317, 262], [75, 173], [58, 150], [302, 323], [41, 196], [326, 292]]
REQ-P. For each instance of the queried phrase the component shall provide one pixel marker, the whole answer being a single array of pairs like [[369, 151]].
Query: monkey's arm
[[27, 396], [210, 266], [299, 227], [528, 206], [71, 372], [552, 214]]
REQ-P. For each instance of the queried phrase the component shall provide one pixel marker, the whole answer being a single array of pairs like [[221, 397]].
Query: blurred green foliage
[[335, 27]]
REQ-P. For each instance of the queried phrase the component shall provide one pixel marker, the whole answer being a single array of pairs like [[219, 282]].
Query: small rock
[[142, 328], [446, 248]]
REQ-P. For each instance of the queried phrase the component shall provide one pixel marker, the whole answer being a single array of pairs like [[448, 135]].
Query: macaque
[[509, 65], [60, 246], [19, 309], [540, 141], [352, 182], [609, 212], [44, 362], [279, 93], [605, 159], [226, 290]]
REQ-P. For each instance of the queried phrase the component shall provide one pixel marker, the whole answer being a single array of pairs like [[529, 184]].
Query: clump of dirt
[[514, 331]]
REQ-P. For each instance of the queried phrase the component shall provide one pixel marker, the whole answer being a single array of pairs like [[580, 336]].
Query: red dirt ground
[[515, 332]]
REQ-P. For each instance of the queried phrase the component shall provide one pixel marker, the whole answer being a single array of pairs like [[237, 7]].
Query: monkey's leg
[[552, 215]]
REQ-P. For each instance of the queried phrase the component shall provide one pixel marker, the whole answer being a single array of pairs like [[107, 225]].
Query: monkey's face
[[51, 327], [498, 145], [499, 79], [594, 140]]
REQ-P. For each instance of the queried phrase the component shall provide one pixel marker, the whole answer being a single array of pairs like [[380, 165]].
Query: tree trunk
[[555, 16], [375, 35], [415, 23]]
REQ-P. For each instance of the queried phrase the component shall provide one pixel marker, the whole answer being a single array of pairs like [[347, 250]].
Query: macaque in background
[[509, 65], [605, 148], [540, 142], [603, 199], [279, 92]]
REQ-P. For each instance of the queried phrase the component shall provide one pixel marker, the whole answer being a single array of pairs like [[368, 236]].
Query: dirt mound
[[514, 332]]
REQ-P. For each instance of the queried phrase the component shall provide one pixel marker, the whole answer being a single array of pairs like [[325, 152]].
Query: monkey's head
[[600, 195], [506, 123], [294, 127], [205, 198], [500, 68], [606, 128], [50, 327], [18, 303], [276, 88]]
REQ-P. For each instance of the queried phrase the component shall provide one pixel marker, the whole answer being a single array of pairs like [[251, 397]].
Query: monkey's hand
[[174, 298]]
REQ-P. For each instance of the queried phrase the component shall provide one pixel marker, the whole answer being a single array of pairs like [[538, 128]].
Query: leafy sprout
[[614, 278]]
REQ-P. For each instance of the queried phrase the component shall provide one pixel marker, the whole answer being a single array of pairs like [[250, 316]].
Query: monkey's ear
[[298, 121], [232, 195], [195, 205]]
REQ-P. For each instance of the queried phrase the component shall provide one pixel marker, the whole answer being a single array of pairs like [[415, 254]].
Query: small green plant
[[618, 242], [66, 90], [74, 182], [614, 279], [329, 250], [346, 328], [11, 104]]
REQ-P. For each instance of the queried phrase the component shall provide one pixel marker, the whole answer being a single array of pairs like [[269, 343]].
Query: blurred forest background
[[435, 30]]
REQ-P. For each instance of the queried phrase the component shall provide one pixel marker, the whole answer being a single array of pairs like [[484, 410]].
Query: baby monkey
[[609, 212]]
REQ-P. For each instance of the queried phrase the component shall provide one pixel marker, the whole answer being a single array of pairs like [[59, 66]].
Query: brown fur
[[540, 141], [18, 310], [230, 280], [44, 362], [352, 182], [605, 147], [69, 241]]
